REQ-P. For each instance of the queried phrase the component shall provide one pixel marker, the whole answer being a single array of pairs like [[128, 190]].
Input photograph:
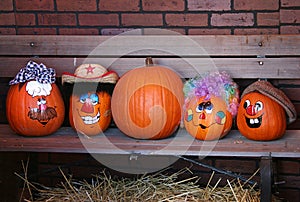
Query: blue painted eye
[[83, 98], [94, 98], [200, 107], [209, 107]]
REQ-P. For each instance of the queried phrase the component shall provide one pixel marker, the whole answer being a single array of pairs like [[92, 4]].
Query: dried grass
[[154, 187]]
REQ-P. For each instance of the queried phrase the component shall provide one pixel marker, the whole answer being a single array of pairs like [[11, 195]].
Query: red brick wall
[[110, 17]]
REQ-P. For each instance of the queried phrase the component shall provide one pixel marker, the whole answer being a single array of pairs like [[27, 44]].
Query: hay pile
[[155, 187]]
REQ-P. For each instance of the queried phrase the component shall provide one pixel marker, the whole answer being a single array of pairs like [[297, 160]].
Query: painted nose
[[202, 116], [251, 110], [87, 107]]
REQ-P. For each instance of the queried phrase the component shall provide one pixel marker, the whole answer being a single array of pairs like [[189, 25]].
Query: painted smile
[[91, 120], [254, 122]]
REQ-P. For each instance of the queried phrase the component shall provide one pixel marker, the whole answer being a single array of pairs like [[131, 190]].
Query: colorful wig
[[213, 84]]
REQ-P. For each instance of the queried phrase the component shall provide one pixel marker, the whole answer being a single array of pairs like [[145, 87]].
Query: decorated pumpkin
[[147, 101], [34, 105], [210, 105], [90, 102], [261, 115]]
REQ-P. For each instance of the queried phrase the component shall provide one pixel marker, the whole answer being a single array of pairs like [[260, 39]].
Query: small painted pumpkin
[[34, 105], [90, 107], [207, 119], [90, 112], [146, 102], [211, 102], [260, 118]]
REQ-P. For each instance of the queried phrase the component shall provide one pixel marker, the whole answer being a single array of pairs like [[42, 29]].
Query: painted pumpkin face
[[34, 109], [207, 119], [260, 118], [90, 112]]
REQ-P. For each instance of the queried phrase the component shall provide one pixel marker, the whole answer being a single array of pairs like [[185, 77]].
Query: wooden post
[[266, 178]]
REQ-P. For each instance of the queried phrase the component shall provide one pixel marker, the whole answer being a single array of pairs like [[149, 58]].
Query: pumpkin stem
[[149, 61]]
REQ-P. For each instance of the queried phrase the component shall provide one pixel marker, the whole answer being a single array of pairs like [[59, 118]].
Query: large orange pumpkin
[[34, 115], [260, 118], [207, 119], [90, 112], [146, 102]]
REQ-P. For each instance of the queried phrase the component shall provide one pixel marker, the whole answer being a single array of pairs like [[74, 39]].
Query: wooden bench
[[245, 58]]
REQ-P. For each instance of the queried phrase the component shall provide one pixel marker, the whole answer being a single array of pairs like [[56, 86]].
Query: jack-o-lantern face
[[90, 112], [260, 118], [34, 109], [207, 119]]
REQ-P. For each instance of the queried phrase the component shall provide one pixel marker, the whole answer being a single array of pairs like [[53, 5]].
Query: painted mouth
[[254, 122], [90, 119], [203, 126]]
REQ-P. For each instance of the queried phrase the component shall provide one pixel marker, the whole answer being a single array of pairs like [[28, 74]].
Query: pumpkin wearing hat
[[211, 102], [90, 111], [34, 105], [264, 112]]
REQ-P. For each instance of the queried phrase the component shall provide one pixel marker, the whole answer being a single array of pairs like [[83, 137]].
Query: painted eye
[[83, 98], [200, 107], [258, 106], [208, 107], [246, 103], [43, 101], [94, 98]]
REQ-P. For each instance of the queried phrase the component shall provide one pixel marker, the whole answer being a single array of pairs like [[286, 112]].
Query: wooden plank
[[272, 68], [181, 45], [114, 142]]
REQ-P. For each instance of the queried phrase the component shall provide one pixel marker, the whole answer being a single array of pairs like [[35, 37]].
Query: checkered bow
[[34, 71]]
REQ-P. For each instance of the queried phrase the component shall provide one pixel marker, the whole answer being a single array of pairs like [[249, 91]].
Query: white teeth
[[91, 120], [253, 121]]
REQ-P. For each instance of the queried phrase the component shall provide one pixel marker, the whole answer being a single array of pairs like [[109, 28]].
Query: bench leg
[[266, 178]]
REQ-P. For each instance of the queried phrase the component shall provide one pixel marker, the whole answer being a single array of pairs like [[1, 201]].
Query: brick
[[78, 31], [268, 19], [7, 19], [7, 31], [57, 19], [290, 3], [24, 19], [38, 31], [209, 5], [290, 181], [232, 19], [289, 194], [113, 31], [76, 5], [98, 19], [237, 166], [6, 5], [290, 30], [209, 31], [251, 31], [163, 5], [38, 5], [288, 167], [256, 5], [142, 20], [290, 16], [116, 5], [187, 19]]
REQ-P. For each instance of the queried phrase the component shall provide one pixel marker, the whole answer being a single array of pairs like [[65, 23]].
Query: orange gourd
[[146, 102], [260, 118], [207, 119], [34, 115], [90, 112]]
